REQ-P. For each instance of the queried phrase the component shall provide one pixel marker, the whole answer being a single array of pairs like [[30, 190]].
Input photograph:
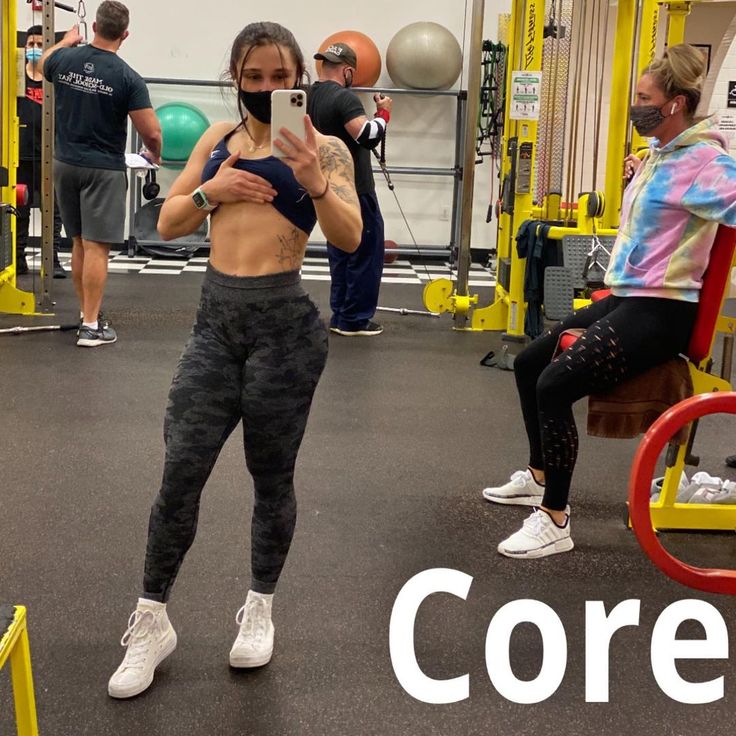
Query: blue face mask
[[33, 55]]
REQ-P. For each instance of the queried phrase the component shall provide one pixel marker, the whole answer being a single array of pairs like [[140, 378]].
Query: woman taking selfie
[[258, 345]]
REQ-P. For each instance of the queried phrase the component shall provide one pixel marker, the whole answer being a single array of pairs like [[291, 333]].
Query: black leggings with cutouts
[[625, 336]]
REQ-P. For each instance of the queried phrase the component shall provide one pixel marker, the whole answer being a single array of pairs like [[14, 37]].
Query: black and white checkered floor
[[401, 271]]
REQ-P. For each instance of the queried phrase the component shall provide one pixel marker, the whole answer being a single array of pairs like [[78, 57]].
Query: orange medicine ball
[[367, 53]]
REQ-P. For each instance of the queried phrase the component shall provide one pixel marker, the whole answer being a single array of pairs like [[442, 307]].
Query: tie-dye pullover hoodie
[[670, 213]]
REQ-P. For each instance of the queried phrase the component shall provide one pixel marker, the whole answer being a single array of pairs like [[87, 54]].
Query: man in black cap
[[335, 110]]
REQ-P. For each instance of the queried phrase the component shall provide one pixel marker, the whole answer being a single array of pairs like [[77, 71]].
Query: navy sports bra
[[291, 200]]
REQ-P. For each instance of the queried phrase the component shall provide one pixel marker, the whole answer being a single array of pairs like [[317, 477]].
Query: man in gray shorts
[[95, 93]]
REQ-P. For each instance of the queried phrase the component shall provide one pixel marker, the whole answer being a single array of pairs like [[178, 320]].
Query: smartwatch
[[200, 201]]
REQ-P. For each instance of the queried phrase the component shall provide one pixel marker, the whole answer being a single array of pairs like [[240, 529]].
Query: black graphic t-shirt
[[30, 109], [95, 90], [330, 107]]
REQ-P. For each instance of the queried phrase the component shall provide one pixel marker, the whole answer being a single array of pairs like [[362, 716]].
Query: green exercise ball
[[182, 125]]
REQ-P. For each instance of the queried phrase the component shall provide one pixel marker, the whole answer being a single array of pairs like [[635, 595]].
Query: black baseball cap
[[338, 53]]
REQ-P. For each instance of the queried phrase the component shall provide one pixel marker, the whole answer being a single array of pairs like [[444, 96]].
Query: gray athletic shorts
[[91, 202]]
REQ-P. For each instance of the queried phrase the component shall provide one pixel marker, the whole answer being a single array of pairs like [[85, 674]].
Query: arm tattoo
[[334, 158], [346, 193], [337, 165], [290, 252]]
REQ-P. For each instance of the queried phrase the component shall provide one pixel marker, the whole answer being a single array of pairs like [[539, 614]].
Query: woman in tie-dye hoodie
[[682, 190], [671, 210]]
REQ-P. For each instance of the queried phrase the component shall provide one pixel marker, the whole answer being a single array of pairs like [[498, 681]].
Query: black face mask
[[646, 118], [258, 104], [348, 77]]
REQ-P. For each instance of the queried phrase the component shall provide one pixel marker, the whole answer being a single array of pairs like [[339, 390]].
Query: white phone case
[[288, 108]]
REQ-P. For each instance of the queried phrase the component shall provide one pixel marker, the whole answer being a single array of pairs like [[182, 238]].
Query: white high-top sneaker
[[254, 644], [149, 639]]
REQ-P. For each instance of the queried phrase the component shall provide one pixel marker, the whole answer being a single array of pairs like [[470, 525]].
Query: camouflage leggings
[[256, 353]]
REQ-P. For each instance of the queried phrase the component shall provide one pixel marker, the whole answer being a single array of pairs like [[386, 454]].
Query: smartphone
[[288, 108]]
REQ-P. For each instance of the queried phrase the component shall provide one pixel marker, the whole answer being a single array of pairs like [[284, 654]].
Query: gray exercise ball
[[424, 55]]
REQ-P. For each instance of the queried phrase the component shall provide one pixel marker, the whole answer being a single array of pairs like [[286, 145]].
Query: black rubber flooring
[[405, 431]]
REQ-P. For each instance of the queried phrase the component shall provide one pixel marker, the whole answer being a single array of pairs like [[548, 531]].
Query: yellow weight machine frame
[[14, 648], [12, 299], [12, 84], [597, 212]]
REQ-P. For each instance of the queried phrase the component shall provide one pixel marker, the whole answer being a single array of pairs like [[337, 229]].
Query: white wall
[[715, 24], [187, 39], [172, 38]]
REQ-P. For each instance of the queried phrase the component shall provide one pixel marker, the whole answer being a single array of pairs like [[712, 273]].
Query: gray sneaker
[[104, 321], [103, 335]]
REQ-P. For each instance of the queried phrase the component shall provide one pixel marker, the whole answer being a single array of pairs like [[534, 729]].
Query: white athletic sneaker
[[150, 638], [521, 490], [683, 491], [539, 537], [253, 646]]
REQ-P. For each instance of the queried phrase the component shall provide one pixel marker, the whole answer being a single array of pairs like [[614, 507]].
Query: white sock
[[151, 605], [268, 597], [92, 325]]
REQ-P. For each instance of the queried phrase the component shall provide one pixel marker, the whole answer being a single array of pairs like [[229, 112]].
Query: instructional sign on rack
[[526, 90], [726, 121], [731, 102]]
